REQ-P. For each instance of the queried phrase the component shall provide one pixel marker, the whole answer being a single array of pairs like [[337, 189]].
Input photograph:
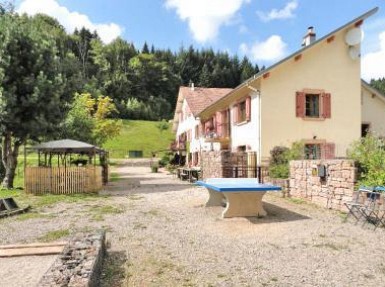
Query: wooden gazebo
[[66, 167]]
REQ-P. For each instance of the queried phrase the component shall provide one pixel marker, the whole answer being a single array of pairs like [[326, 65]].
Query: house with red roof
[[190, 133], [314, 96]]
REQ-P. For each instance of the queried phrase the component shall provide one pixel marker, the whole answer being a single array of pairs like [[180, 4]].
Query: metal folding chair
[[373, 209], [356, 204]]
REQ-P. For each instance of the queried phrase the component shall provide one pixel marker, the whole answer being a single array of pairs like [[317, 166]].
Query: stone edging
[[80, 263]]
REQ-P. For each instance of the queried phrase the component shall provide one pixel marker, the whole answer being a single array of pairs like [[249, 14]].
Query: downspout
[[258, 92]]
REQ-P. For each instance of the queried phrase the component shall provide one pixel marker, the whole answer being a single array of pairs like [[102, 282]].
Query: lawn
[[139, 135]]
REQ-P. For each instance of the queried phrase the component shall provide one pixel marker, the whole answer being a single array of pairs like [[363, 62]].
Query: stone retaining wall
[[214, 162], [79, 265], [332, 191]]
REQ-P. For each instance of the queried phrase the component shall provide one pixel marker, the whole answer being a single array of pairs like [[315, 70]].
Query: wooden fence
[[62, 180]]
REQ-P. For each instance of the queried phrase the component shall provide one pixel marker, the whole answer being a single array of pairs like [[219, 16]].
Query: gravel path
[[162, 235]]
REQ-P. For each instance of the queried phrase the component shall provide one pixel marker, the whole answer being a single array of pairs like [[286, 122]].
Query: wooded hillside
[[142, 82]]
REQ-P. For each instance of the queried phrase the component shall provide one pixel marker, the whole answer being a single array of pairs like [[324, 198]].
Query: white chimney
[[192, 86], [309, 37]]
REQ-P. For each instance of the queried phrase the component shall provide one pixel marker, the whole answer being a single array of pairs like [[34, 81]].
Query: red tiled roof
[[199, 99]]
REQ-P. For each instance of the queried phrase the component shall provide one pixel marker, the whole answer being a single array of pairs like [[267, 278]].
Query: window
[[365, 128], [312, 105], [312, 151], [319, 150], [242, 111]]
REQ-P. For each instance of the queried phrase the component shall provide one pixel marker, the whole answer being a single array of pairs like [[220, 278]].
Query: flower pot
[[154, 169]]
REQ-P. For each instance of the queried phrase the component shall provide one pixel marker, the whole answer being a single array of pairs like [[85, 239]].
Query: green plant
[[369, 154], [280, 158], [165, 160]]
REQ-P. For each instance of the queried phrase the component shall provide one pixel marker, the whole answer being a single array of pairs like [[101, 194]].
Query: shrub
[[280, 157], [165, 160], [369, 154]]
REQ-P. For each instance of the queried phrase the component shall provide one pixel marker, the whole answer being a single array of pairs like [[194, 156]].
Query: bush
[[165, 160], [369, 154], [279, 171], [280, 157]]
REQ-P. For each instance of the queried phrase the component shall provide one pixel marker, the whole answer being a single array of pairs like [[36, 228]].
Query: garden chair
[[354, 206], [373, 209]]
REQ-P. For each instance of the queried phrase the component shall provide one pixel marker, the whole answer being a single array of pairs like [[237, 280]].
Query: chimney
[[192, 86], [309, 37]]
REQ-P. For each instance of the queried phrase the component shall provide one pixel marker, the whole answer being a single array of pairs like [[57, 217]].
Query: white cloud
[[284, 13], [70, 20], [373, 63], [205, 17], [274, 48]]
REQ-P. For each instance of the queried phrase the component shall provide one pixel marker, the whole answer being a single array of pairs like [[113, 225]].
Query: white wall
[[373, 111], [247, 133], [189, 124]]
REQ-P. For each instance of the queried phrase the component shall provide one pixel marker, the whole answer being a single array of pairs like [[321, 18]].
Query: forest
[[142, 82]]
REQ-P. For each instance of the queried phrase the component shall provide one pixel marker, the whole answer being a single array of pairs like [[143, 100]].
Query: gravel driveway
[[162, 235]]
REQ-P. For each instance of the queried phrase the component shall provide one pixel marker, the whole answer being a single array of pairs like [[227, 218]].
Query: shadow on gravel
[[143, 189], [113, 270], [277, 214]]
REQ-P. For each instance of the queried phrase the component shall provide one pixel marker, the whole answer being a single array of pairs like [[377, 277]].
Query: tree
[[31, 87], [378, 84], [145, 49], [88, 120]]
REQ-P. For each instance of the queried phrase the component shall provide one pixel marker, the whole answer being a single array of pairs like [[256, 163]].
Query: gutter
[[258, 92]]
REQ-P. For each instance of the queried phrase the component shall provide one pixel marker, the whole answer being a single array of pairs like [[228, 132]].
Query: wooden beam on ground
[[32, 249]]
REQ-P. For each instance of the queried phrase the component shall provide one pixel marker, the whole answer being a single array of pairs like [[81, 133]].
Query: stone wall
[[80, 264], [332, 191], [214, 163]]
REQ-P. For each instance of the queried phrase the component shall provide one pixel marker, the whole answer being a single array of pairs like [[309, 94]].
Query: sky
[[265, 31]]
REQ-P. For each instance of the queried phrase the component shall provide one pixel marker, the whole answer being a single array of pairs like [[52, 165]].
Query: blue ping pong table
[[243, 196]]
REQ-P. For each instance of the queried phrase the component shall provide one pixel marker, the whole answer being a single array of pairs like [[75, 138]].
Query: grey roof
[[66, 145], [262, 72]]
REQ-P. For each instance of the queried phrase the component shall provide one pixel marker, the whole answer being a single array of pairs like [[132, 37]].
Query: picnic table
[[242, 196]]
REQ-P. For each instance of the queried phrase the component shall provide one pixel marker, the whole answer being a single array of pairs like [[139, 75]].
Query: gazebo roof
[[66, 146]]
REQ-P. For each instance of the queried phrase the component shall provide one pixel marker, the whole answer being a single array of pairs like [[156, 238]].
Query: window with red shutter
[[313, 104]]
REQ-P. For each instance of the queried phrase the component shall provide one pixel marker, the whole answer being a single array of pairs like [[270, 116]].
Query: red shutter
[[328, 151], [219, 124], [326, 105], [235, 114], [248, 108], [300, 104]]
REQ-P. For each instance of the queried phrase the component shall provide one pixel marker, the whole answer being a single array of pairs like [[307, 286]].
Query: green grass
[[139, 135], [36, 201], [296, 200], [54, 235], [98, 212]]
